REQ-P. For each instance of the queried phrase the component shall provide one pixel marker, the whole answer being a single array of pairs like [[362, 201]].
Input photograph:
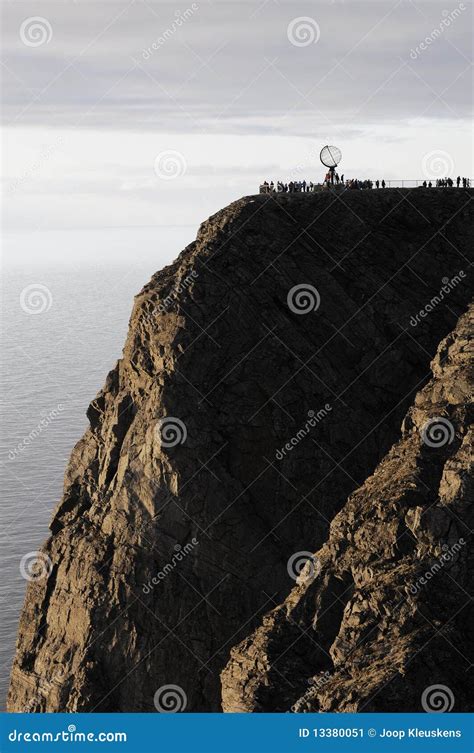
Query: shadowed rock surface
[[384, 611], [214, 343]]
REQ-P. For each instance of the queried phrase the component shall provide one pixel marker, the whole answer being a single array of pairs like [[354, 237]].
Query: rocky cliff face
[[382, 612], [264, 376]]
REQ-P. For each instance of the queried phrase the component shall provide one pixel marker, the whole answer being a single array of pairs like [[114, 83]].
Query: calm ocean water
[[53, 364]]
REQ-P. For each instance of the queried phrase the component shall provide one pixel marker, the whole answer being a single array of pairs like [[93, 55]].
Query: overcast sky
[[153, 113]]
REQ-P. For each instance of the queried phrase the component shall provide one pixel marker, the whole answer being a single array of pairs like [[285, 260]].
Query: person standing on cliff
[[383, 183]]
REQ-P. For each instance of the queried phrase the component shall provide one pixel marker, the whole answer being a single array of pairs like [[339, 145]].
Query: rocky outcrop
[[383, 611], [243, 412]]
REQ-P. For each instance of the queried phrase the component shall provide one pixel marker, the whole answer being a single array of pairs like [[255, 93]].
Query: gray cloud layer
[[237, 91], [230, 66]]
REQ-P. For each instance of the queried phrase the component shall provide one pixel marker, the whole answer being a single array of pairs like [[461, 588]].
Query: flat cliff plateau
[[264, 377]]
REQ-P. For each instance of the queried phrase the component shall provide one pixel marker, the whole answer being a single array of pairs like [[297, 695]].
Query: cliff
[[244, 411], [382, 613]]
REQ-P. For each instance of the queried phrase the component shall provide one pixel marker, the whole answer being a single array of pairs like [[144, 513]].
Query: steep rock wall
[[214, 343]]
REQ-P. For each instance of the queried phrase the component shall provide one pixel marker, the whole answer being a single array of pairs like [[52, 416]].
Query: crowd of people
[[449, 183], [294, 186], [303, 186]]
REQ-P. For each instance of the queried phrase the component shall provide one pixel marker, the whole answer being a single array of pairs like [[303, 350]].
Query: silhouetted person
[[458, 181], [430, 184], [424, 184], [383, 184]]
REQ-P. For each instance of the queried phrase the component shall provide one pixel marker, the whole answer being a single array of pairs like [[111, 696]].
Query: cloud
[[230, 62], [90, 108]]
